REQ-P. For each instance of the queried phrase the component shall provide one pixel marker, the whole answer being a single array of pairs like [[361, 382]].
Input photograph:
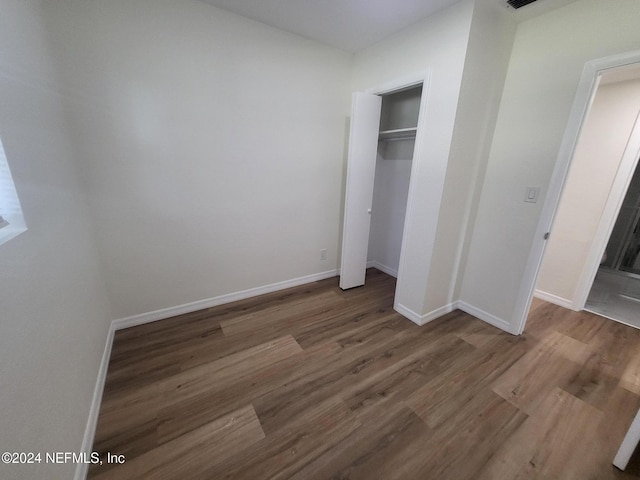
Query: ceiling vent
[[519, 3]]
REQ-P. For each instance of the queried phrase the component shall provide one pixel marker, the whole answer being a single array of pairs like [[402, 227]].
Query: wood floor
[[317, 383]]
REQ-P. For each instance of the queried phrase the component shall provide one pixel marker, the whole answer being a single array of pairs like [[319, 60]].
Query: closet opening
[[381, 153], [396, 142]]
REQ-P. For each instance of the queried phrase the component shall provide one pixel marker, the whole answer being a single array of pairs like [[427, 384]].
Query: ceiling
[[352, 25]]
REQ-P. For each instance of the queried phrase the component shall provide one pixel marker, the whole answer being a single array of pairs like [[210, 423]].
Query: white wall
[[594, 166], [389, 205], [214, 147], [54, 311], [548, 55], [490, 40], [437, 44]]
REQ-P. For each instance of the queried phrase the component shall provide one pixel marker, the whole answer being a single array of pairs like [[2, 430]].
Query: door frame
[[394, 86], [397, 85], [583, 99], [400, 84]]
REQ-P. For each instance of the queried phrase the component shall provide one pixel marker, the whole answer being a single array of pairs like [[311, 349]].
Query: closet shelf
[[397, 134]]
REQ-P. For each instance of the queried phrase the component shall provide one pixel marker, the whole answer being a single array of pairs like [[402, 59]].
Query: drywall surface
[[436, 45], [214, 147], [54, 311], [594, 166], [548, 56], [490, 40], [389, 205]]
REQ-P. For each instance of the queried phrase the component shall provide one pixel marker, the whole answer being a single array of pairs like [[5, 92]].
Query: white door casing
[[582, 102]]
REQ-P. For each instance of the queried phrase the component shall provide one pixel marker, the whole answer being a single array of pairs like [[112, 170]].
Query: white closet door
[[361, 169]]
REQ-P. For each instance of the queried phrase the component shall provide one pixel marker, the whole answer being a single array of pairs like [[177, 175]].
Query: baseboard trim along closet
[[425, 318], [94, 410], [487, 317], [555, 299], [165, 313], [383, 268]]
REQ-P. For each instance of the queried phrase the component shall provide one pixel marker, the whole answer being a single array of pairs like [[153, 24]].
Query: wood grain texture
[[554, 361], [314, 382], [182, 457]]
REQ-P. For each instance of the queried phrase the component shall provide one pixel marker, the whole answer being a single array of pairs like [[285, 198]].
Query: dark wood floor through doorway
[[317, 383]]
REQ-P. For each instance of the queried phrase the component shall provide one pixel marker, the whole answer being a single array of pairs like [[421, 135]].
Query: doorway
[[585, 240], [396, 143], [615, 292]]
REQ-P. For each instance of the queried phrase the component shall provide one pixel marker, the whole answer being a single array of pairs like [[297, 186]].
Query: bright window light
[[11, 219]]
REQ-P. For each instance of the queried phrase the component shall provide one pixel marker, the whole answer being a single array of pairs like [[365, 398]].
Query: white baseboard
[[383, 268], [555, 299], [94, 410], [423, 319], [408, 313], [486, 317], [164, 313]]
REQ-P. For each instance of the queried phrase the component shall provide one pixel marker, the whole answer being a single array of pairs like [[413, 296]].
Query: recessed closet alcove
[[381, 152], [398, 124]]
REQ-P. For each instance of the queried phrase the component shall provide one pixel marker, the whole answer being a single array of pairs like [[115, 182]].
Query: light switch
[[531, 194]]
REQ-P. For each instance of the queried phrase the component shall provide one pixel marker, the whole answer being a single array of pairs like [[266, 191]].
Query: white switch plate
[[531, 194]]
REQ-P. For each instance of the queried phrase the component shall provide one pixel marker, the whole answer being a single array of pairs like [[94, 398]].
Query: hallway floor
[[616, 297]]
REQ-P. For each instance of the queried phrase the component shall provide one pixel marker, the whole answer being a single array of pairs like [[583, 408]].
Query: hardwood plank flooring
[[313, 383], [179, 459]]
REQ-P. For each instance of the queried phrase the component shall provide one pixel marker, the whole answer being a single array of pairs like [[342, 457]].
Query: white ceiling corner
[[352, 25], [349, 25]]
